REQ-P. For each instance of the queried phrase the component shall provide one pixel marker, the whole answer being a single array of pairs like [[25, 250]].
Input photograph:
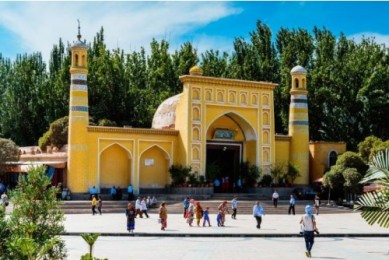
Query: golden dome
[[196, 71]]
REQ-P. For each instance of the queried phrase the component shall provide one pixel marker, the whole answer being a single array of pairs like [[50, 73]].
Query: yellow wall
[[154, 166], [319, 156]]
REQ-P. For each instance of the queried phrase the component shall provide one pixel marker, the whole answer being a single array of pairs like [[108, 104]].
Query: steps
[[175, 206]]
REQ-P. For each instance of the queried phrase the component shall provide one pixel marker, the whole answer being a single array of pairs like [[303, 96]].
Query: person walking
[[292, 203], [186, 205], [224, 211], [130, 214], [309, 227], [258, 212], [99, 204], [317, 204], [94, 203], [275, 197], [234, 204], [206, 217], [190, 212], [198, 213], [163, 215], [144, 207], [138, 207]]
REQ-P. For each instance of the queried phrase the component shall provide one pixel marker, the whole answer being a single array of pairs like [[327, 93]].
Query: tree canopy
[[347, 82]]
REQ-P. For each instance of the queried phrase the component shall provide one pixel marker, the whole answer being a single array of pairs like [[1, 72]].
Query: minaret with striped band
[[77, 175], [299, 124]]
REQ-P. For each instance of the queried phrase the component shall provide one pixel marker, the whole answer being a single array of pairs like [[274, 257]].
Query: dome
[[298, 69], [79, 44], [165, 116], [196, 70]]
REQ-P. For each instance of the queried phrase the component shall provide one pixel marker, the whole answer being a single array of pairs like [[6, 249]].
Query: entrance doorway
[[226, 157]]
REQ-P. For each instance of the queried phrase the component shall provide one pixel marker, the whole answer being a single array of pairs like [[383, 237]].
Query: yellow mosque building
[[212, 119]]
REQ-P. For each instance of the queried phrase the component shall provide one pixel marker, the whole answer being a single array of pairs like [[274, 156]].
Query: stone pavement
[[343, 236], [330, 225]]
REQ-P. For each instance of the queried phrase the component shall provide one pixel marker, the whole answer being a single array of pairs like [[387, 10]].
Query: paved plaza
[[343, 236]]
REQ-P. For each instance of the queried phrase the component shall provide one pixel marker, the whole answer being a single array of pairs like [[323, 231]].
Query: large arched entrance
[[115, 167], [230, 141]]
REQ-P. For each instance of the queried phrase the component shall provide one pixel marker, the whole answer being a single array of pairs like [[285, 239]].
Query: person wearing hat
[[309, 227]]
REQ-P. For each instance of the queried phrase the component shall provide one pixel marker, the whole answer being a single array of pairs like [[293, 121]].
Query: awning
[[25, 166]]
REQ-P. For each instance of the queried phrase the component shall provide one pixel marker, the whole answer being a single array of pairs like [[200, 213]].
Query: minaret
[[78, 119], [299, 124]]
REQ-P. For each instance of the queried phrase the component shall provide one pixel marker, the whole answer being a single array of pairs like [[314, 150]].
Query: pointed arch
[[154, 163], [243, 124], [115, 166]]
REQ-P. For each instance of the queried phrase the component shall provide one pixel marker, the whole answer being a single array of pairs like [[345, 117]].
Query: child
[[206, 217], [219, 218], [131, 214]]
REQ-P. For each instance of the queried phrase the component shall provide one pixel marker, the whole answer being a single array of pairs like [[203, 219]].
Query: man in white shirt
[[275, 197], [309, 223]]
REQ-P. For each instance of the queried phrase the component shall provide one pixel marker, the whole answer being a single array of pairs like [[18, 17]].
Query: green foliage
[[57, 135], [343, 77], [9, 151], [106, 122], [179, 174], [249, 173], [192, 179], [90, 239], [277, 171], [375, 205], [36, 220], [351, 179], [292, 173], [367, 145], [334, 177], [266, 180], [352, 160]]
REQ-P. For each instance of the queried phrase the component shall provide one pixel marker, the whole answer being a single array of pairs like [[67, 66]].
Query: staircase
[[174, 205]]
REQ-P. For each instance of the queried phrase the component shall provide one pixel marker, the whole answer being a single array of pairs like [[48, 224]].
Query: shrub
[[267, 180]]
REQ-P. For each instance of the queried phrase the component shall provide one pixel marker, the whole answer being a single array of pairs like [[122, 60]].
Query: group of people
[[292, 202], [133, 211], [193, 210], [96, 202]]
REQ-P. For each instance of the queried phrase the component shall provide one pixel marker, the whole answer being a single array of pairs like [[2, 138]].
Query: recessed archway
[[154, 168], [115, 167]]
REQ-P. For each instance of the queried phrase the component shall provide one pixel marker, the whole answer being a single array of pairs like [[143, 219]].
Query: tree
[[36, 220], [57, 134], [90, 239], [9, 151], [375, 205], [367, 145], [292, 173], [352, 160]]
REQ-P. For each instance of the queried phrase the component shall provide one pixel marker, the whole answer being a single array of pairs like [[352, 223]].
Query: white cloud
[[127, 25], [378, 38]]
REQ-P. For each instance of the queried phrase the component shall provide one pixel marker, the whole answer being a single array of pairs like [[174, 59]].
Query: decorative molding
[[228, 82], [103, 129]]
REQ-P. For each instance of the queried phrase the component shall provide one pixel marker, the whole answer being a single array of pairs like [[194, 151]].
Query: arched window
[[296, 83], [303, 83], [83, 61], [76, 59], [332, 158]]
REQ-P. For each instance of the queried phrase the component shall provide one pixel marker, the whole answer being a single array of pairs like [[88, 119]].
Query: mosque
[[219, 120]]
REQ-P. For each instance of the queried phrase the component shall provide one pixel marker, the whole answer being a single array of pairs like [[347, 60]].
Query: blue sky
[[27, 27]]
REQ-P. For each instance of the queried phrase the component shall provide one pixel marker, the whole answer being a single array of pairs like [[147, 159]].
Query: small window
[[332, 158], [296, 83]]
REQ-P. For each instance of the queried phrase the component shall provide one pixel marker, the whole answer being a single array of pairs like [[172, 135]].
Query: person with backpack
[[309, 228]]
